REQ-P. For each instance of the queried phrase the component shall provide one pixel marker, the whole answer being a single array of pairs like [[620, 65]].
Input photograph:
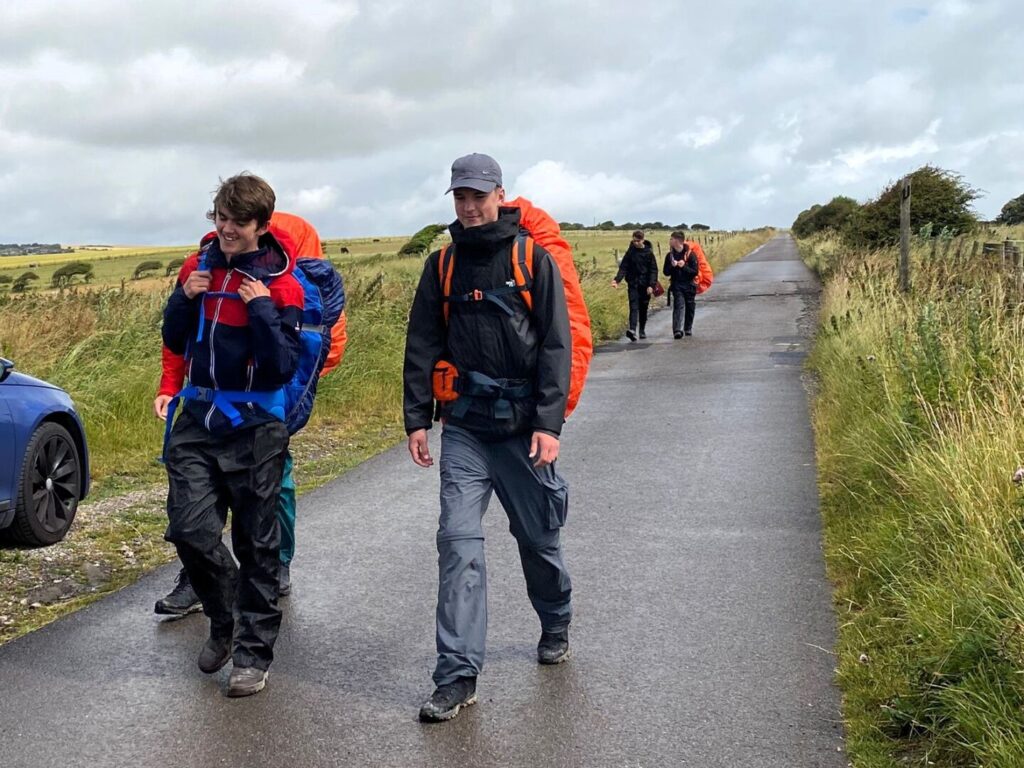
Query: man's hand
[[160, 406], [650, 290], [543, 449], [615, 283], [196, 283], [419, 450], [252, 289]]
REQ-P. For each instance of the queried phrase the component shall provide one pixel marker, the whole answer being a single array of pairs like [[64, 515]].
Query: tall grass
[[917, 419]]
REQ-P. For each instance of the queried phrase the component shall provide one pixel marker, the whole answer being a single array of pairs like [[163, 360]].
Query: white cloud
[[123, 115]]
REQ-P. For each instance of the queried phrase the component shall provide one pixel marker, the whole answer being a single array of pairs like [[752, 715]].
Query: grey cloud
[[356, 109]]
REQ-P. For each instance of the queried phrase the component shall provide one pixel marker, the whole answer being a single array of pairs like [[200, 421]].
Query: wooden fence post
[[905, 235]]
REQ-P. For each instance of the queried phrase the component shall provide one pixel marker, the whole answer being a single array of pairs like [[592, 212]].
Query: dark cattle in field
[[344, 249]]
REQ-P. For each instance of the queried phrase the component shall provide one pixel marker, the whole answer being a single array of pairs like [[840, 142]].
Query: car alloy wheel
[[51, 485]]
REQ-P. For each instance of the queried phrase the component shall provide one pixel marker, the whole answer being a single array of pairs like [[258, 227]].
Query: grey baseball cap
[[476, 171]]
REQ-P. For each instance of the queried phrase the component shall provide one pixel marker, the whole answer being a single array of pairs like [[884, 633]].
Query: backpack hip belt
[[461, 388], [224, 400]]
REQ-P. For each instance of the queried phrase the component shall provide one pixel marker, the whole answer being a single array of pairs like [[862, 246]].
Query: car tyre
[[49, 489]]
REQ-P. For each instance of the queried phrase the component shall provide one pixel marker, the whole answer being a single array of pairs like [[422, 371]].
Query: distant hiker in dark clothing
[[236, 314], [501, 423], [639, 268], [681, 267]]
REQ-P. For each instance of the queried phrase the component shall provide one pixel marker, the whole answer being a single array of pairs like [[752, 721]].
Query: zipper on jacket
[[209, 341]]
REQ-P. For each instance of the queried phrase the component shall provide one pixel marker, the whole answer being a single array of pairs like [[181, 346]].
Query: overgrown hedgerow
[[918, 424]]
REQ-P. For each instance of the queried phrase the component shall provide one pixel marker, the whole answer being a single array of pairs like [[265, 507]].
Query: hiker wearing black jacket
[[501, 434], [639, 269], [681, 268]]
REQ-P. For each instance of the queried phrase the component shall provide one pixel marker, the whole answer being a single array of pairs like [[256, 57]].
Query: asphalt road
[[703, 628]]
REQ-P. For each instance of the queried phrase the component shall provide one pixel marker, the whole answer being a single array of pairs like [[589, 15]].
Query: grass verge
[[917, 420]]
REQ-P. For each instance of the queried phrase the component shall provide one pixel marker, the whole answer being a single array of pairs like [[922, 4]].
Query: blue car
[[44, 461]]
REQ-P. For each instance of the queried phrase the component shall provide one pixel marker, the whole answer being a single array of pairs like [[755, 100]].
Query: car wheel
[[51, 483]]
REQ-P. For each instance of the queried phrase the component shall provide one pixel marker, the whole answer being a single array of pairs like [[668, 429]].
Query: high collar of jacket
[[487, 237], [646, 247], [268, 261]]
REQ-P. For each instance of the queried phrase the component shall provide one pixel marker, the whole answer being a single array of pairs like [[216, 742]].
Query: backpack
[[704, 274], [323, 292], [537, 227]]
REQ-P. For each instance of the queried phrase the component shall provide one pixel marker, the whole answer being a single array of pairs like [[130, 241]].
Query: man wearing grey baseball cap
[[493, 350]]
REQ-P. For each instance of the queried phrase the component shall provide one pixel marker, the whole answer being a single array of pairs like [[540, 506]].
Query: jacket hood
[[486, 235], [269, 261]]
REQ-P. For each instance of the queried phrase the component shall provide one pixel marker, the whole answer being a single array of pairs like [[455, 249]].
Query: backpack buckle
[[477, 295]]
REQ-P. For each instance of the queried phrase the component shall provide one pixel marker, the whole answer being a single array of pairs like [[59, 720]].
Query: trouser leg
[[678, 309], [634, 307], [196, 514], [254, 470], [286, 511], [462, 573], [691, 308], [644, 302], [536, 502]]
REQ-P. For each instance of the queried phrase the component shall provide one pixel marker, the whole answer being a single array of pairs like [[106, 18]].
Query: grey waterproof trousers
[[536, 502]]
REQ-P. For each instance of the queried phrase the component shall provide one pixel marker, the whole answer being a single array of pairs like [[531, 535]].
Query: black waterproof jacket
[[681, 278], [531, 346], [638, 266]]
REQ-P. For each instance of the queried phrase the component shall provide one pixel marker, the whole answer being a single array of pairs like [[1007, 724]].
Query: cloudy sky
[[117, 118]]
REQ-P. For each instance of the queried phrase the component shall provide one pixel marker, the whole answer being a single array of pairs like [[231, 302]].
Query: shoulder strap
[[445, 268], [522, 266]]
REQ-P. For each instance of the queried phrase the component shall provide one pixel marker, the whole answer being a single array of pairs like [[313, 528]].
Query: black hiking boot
[[180, 601], [677, 335], [284, 583], [215, 654], [631, 335], [643, 334], [245, 681], [553, 647], [446, 701]]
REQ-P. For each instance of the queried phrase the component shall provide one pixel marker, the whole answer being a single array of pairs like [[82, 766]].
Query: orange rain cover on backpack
[[704, 274], [548, 236]]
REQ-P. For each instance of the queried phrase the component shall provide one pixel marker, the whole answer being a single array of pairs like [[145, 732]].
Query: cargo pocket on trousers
[[557, 492]]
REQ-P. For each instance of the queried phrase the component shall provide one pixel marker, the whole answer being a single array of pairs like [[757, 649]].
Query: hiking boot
[[245, 681], [631, 335], [180, 601], [553, 647], [643, 335], [677, 335], [446, 701], [284, 583], [688, 333], [215, 654]]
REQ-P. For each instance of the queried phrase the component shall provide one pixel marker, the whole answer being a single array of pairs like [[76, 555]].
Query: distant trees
[[834, 215], [21, 282], [146, 266], [700, 227], [64, 276], [1013, 212], [628, 226], [940, 203], [420, 242], [174, 265]]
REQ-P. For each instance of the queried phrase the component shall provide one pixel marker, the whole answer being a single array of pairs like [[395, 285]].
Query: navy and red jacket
[[244, 347]]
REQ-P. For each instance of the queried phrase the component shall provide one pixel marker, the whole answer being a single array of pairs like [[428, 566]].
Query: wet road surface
[[702, 634]]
